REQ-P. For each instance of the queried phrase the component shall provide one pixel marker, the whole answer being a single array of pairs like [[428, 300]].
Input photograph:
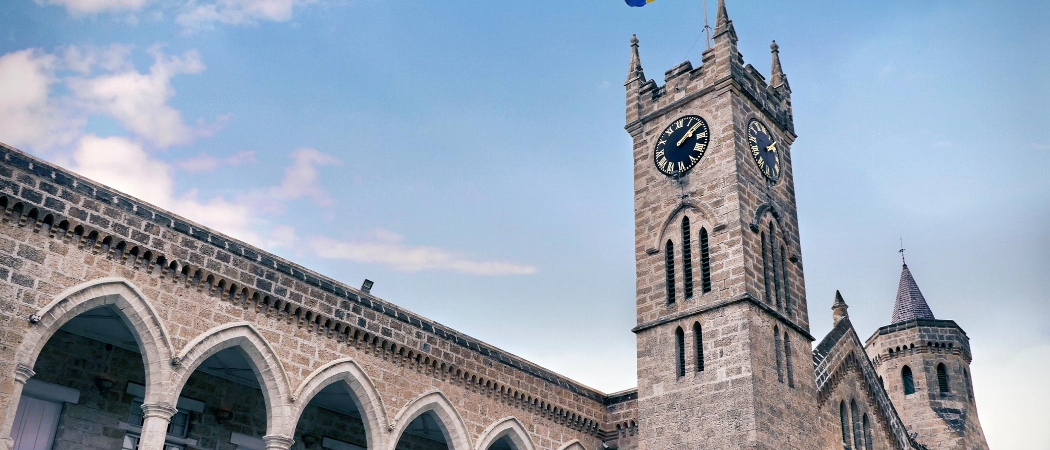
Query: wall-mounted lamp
[[222, 415], [366, 287], [104, 384]]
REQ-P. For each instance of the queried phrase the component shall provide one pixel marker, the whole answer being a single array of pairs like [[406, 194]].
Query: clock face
[[764, 150], [681, 145]]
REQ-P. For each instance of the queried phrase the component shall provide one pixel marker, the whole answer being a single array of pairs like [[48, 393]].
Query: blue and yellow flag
[[638, 2]]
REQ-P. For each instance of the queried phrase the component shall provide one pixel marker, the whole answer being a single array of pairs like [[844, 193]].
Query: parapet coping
[[63, 177]]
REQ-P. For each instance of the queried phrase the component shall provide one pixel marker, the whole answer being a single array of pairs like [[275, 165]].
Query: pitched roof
[[910, 303]]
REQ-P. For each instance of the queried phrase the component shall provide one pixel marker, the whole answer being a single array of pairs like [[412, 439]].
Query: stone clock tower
[[724, 358]]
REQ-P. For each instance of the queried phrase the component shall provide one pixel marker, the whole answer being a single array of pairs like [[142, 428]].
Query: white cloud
[[300, 179], [28, 114], [236, 12], [96, 6], [207, 163], [387, 248], [139, 101]]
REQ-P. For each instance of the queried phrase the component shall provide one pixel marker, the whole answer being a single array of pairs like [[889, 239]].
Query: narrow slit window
[[705, 261], [679, 337], [765, 268], [787, 360], [907, 380], [773, 264], [942, 378], [687, 259], [669, 268], [858, 436], [844, 421], [776, 339], [698, 337], [867, 434]]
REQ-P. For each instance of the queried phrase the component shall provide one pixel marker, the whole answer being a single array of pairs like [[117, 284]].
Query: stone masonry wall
[[59, 231]]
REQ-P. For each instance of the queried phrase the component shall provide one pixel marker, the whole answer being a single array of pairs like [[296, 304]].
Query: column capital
[[159, 410], [278, 442], [23, 373]]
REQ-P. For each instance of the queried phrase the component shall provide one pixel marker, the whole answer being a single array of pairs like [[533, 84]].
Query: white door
[[35, 423]]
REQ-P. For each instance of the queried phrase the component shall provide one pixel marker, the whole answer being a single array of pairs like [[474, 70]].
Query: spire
[[910, 303], [777, 77], [723, 24], [635, 70], [838, 310]]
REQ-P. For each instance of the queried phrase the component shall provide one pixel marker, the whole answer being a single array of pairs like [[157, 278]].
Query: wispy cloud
[[389, 249], [96, 6], [206, 163], [206, 14]]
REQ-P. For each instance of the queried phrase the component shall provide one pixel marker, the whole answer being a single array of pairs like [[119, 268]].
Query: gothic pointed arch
[[573, 445], [257, 351], [672, 223], [455, 430], [361, 390], [766, 208], [510, 428], [130, 305]]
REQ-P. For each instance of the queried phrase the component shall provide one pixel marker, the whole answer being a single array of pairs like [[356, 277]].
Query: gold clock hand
[[772, 147], [689, 134]]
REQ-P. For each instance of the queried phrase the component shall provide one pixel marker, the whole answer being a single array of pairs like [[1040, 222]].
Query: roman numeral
[[679, 124]]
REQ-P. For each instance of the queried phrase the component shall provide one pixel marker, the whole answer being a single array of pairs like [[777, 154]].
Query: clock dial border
[[693, 131], [757, 154]]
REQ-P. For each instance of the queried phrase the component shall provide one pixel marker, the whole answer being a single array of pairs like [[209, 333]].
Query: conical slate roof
[[910, 303]]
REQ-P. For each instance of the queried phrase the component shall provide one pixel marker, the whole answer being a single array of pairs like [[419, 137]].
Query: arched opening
[[698, 340], [679, 339], [867, 433], [773, 264], [705, 261], [942, 378], [858, 436], [844, 422], [506, 434], [426, 431], [430, 422], [787, 360], [777, 347], [765, 269], [340, 408], [90, 374], [907, 380]]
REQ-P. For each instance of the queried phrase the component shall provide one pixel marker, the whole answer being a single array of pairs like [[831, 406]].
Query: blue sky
[[470, 157]]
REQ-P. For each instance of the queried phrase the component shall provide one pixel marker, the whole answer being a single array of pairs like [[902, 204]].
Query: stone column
[[22, 374], [155, 419], [278, 442]]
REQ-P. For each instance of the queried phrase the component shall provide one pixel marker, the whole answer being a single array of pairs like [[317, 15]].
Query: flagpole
[[707, 28]]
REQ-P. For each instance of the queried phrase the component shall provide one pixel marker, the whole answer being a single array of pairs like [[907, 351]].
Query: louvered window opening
[[698, 337], [907, 380], [669, 268], [679, 337], [705, 261], [765, 268], [687, 258], [787, 285], [787, 360], [942, 378], [773, 264]]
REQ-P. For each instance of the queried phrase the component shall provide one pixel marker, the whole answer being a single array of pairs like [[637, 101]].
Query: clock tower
[[724, 357]]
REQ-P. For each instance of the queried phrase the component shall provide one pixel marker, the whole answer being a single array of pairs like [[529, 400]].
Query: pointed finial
[[776, 78], [635, 70], [901, 251], [722, 23], [838, 309]]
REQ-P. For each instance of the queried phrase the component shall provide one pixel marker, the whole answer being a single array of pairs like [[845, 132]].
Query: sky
[[470, 157]]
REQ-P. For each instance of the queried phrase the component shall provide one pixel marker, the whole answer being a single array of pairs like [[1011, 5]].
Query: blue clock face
[[764, 150], [681, 145]]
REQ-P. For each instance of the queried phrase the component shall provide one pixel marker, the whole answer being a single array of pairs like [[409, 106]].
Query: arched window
[[907, 380], [669, 268], [705, 261], [787, 360], [765, 268], [687, 258], [867, 434], [844, 420], [942, 378], [698, 338], [787, 285], [858, 437], [777, 343], [773, 263], [679, 340]]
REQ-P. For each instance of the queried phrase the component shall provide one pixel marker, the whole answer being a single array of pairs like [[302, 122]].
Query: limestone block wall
[[68, 244], [945, 420]]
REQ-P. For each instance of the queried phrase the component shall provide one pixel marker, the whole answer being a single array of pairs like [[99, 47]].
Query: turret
[[838, 309]]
